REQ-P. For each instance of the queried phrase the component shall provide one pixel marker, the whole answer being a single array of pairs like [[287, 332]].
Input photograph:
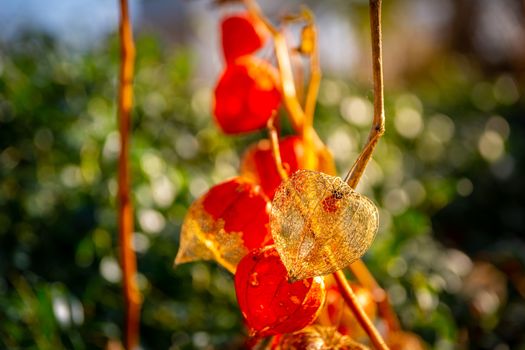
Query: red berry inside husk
[[270, 304], [258, 163]]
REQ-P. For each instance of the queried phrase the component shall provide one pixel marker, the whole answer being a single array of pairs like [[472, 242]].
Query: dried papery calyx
[[246, 96], [320, 224], [241, 35], [225, 224], [317, 338], [269, 303]]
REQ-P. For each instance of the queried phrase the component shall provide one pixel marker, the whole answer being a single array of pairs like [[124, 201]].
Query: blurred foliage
[[450, 166]]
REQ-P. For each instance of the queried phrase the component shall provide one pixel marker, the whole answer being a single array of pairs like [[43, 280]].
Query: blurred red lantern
[[241, 35], [269, 303], [246, 95]]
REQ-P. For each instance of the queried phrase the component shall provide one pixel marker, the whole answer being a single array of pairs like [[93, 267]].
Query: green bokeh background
[[447, 176]]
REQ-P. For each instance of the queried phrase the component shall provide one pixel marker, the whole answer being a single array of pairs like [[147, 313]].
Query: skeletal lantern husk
[[318, 338], [320, 224]]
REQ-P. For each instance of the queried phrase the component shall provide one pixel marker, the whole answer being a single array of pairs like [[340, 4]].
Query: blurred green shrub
[[449, 140]]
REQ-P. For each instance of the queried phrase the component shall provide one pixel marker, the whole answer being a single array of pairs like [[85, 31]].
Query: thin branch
[[366, 279], [291, 102], [276, 150], [357, 310], [355, 174], [309, 134], [378, 124], [131, 292], [302, 123], [315, 77], [297, 115]]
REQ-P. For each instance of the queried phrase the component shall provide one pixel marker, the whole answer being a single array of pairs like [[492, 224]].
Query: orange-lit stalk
[[302, 122], [357, 310], [308, 133], [276, 150], [291, 102], [378, 124], [131, 293], [366, 279]]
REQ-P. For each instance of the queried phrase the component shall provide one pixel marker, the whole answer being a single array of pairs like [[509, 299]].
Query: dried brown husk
[[203, 238], [318, 338], [320, 224]]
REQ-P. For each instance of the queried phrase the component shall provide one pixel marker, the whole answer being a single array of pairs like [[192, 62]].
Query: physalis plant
[[285, 222]]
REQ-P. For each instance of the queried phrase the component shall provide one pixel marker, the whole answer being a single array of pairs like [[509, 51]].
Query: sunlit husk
[[225, 223], [320, 224], [203, 238], [318, 338]]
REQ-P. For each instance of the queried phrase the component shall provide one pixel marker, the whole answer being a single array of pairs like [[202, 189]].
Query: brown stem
[[356, 172], [366, 279], [357, 310], [302, 122], [131, 292], [378, 124]]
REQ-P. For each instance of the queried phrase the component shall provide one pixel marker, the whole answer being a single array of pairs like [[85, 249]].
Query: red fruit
[[241, 35], [269, 303], [246, 95], [243, 208], [259, 166], [258, 163], [225, 224]]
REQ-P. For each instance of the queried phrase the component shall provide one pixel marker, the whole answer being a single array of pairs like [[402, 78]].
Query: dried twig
[[302, 122], [276, 150], [125, 211], [366, 279], [358, 311], [291, 102], [378, 124]]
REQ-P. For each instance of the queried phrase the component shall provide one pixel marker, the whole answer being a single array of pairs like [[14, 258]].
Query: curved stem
[[378, 124], [357, 310], [276, 150], [131, 292], [291, 102], [315, 78], [311, 99], [366, 279], [302, 122]]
